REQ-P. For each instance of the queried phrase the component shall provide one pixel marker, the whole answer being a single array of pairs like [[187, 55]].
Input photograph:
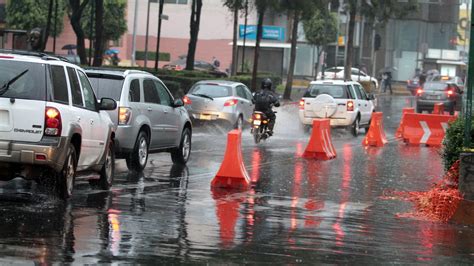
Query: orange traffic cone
[[376, 135], [320, 144], [438, 109], [232, 173], [399, 132], [227, 211]]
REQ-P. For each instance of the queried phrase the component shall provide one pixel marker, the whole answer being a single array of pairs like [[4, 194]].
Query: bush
[[453, 142], [174, 87], [140, 55]]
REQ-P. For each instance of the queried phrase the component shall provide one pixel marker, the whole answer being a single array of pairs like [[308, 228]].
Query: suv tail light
[[231, 102], [124, 115], [301, 104], [350, 106], [186, 100], [450, 93], [52, 122], [419, 91]]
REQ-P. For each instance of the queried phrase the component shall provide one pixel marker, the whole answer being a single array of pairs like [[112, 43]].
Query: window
[[108, 86], [355, 72], [89, 97], [241, 92], [359, 95], [336, 91], [248, 94], [180, 2], [351, 93], [165, 97], [75, 88], [25, 80], [211, 90], [59, 84], [362, 92], [134, 94], [150, 92]]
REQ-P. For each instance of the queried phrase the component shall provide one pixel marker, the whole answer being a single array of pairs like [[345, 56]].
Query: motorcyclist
[[264, 99]]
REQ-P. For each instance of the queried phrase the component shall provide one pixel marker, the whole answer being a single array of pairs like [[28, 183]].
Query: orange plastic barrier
[[399, 132], [426, 129], [376, 135], [320, 144], [438, 109], [232, 173]]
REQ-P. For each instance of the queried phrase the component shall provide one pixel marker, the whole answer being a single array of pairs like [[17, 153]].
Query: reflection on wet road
[[299, 211]]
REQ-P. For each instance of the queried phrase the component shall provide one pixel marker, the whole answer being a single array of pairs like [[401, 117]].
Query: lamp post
[[158, 35], [146, 35], [134, 38]]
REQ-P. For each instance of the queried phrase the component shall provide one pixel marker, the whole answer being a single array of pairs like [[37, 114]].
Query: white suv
[[51, 124], [345, 103]]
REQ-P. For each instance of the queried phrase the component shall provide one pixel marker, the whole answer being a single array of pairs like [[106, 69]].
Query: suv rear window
[[107, 86], [336, 91], [214, 91], [22, 80]]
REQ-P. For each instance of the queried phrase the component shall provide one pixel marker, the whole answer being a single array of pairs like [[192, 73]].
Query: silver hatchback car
[[148, 119], [218, 100]]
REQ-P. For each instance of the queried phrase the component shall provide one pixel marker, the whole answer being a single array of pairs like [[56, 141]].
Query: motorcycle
[[259, 127]]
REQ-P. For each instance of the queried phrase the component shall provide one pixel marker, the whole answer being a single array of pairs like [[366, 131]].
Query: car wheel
[[137, 160], [239, 124], [181, 154], [355, 127], [108, 169], [67, 176]]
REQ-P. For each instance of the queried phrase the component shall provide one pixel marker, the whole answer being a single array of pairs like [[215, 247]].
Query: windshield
[[336, 91], [214, 91], [22, 80], [438, 86], [107, 87]]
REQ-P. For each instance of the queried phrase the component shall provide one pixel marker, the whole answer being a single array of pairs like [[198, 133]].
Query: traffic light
[[377, 42]]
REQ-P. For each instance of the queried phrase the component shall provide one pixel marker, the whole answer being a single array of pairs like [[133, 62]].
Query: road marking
[[426, 130]]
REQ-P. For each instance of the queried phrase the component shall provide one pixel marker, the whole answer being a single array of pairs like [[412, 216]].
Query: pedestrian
[[215, 62], [387, 81]]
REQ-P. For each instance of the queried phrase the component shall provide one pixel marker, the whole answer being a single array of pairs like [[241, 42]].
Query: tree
[[113, 25], [76, 11], [196, 7], [320, 29], [235, 6], [29, 14], [352, 5]]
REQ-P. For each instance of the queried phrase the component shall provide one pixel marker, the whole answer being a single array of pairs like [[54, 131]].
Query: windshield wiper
[[7, 85], [202, 95]]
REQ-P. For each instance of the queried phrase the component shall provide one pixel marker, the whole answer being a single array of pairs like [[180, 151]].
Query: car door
[[99, 121], [248, 105], [171, 115], [155, 114], [88, 154]]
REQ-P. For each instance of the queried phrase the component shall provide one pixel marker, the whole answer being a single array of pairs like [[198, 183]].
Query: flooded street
[[299, 210]]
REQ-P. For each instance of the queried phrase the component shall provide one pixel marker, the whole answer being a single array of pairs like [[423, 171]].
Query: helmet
[[267, 84]]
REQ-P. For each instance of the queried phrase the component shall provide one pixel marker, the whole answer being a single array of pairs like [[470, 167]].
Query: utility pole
[[146, 35], [158, 35], [134, 38], [55, 30], [470, 86], [337, 32], [245, 34], [91, 30]]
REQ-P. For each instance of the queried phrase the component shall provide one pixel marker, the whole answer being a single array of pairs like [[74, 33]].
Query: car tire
[[108, 169], [137, 159], [239, 124], [181, 154], [355, 127], [66, 178]]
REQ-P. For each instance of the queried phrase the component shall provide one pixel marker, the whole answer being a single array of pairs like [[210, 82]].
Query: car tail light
[[450, 93], [178, 68], [52, 122], [124, 115], [350, 106], [186, 100], [301, 104], [6, 57], [419, 91], [231, 102]]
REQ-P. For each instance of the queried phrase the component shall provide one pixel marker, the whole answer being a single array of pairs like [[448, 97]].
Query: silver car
[[218, 100], [148, 119]]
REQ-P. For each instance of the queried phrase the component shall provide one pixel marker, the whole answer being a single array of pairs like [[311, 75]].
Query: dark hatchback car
[[438, 92], [209, 68]]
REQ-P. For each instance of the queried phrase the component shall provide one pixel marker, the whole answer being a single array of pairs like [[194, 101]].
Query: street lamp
[[158, 35]]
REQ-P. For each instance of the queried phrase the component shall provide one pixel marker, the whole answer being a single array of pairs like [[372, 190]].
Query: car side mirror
[[370, 96], [178, 103], [107, 104]]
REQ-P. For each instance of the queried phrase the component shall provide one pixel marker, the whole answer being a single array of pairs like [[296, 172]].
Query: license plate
[[205, 117], [257, 122], [434, 97]]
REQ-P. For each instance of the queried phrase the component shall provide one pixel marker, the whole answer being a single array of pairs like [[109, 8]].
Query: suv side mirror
[[370, 96], [107, 104], [178, 103]]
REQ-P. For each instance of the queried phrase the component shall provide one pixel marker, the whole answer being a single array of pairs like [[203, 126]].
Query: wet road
[[300, 211]]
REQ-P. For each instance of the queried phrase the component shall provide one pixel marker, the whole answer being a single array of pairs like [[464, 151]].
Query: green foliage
[[29, 14], [320, 28], [234, 4], [247, 80], [115, 24], [453, 142], [174, 87], [382, 11], [140, 55]]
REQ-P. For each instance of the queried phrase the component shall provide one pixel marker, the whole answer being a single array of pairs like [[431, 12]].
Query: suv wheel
[[355, 127], [180, 155], [137, 160], [108, 169], [66, 178]]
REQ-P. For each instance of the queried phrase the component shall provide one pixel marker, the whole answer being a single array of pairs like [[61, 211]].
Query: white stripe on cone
[[426, 130]]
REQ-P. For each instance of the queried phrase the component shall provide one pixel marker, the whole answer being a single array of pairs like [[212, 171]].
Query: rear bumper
[[213, 116], [16, 156], [429, 105], [335, 122]]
